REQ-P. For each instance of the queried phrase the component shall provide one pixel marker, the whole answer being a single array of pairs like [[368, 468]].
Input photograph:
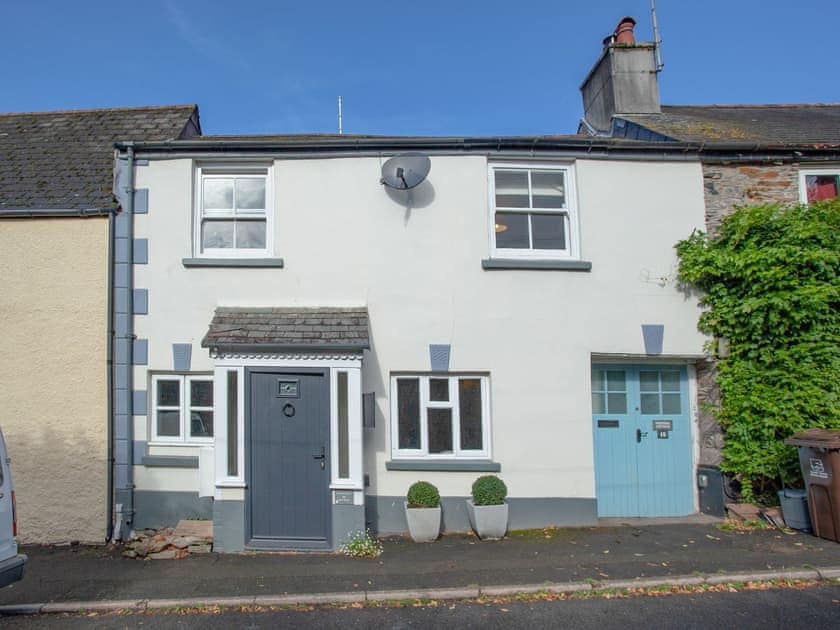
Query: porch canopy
[[288, 329]]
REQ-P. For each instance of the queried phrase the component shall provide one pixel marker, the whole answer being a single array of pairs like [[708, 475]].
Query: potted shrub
[[422, 511], [487, 509]]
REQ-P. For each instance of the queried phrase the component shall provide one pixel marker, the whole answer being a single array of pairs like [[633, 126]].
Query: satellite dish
[[405, 170]]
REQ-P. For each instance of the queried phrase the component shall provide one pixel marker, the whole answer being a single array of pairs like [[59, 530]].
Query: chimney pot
[[624, 31]]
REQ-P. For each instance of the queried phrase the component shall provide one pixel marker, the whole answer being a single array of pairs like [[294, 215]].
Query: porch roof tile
[[279, 329]]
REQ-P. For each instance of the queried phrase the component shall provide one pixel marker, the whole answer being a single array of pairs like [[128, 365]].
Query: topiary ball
[[489, 490], [423, 494]]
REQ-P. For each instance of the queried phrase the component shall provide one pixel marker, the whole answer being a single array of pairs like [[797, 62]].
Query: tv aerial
[[406, 170]]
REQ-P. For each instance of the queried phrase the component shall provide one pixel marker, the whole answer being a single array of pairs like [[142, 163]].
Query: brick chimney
[[623, 80]]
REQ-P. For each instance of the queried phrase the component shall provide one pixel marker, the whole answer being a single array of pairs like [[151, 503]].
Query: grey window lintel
[[444, 465], [493, 264], [233, 262], [170, 461]]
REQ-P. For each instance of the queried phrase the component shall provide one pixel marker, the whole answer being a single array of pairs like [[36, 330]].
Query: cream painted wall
[[347, 241], [53, 385]]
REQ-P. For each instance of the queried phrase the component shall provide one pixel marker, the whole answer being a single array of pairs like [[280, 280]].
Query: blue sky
[[427, 67]]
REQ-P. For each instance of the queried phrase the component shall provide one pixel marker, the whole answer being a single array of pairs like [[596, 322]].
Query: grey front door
[[289, 463]]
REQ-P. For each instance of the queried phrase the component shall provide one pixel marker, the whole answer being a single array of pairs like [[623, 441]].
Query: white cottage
[[307, 343]]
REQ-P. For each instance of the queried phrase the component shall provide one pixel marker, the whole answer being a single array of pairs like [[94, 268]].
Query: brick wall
[[727, 186]]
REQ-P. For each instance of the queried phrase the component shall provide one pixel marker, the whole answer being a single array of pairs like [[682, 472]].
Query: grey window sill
[[233, 262], [493, 264], [170, 461], [444, 465]]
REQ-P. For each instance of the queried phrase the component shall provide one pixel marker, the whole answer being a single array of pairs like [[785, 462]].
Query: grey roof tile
[[281, 329], [65, 159], [798, 125]]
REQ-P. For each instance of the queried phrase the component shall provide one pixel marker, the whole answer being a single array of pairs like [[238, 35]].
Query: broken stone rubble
[[189, 537]]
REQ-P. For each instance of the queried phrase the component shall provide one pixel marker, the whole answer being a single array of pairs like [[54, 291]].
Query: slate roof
[[288, 329], [64, 160], [806, 125]]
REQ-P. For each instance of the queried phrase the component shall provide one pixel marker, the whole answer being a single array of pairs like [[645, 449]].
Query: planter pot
[[423, 523], [488, 521]]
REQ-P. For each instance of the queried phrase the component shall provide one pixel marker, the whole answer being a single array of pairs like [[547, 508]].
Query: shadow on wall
[[374, 439], [417, 198]]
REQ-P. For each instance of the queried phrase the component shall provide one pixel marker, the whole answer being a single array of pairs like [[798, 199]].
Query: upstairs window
[[533, 212], [234, 212], [819, 185]]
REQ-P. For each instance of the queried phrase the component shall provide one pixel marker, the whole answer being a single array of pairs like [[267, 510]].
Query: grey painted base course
[[386, 515], [164, 509], [457, 593], [346, 519], [228, 526]]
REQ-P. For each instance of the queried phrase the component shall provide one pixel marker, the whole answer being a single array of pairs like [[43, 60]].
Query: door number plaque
[[288, 389], [343, 497], [663, 428]]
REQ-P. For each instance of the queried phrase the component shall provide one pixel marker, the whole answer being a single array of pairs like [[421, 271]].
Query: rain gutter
[[52, 213], [519, 147]]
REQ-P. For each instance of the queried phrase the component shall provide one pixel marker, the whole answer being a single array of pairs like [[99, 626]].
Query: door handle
[[322, 457], [639, 435]]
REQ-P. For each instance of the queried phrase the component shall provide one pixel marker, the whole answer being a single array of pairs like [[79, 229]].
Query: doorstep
[[638, 521]]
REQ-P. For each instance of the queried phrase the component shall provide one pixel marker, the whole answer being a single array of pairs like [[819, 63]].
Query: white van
[[11, 562]]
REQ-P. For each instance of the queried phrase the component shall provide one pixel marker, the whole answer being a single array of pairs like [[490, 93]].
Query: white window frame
[[426, 404], [221, 171], [184, 408], [803, 189], [572, 250]]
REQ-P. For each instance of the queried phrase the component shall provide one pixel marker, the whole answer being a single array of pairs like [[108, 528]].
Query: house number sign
[[663, 428], [287, 389]]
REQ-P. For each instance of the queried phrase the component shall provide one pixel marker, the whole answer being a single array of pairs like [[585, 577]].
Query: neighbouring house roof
[[62, 162], [805, 125], [288, 329]]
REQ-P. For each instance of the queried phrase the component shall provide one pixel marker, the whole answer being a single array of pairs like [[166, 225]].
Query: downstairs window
[[440, 416]]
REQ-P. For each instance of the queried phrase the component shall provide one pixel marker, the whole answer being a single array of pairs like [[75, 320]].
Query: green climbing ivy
[[770, 282]]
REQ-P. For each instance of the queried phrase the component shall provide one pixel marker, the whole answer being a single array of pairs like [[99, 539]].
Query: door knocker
[[288, 410]]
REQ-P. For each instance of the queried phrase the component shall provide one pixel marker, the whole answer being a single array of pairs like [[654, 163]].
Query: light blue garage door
[[642, 431]]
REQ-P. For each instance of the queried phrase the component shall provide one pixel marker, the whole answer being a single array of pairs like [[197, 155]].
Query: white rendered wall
[[346, 242]]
